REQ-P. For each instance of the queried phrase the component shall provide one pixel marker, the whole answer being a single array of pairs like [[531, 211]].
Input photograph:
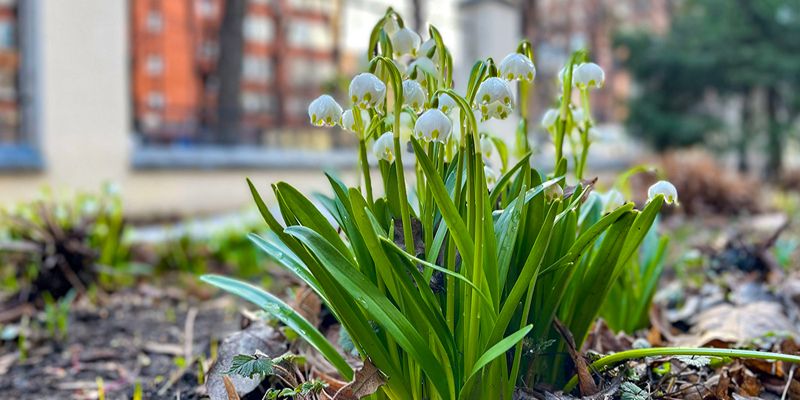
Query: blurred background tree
[[719, 55]]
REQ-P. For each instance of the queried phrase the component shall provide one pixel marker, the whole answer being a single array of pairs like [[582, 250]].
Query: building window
[[18, 141], [230, 72]]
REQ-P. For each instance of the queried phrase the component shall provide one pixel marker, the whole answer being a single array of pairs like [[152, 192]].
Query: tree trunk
[[231, 42], [745, 130], [775, 137]]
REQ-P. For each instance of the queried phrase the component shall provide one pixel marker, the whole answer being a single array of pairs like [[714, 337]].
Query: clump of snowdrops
[[452, 292]]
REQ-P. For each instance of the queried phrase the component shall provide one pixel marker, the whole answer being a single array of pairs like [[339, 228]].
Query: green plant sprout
[[451, 285], [57, 314]]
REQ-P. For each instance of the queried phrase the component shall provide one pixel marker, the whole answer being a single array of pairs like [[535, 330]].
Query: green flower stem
[[362, 155], [585, 142], [397, 87], [616, 358]]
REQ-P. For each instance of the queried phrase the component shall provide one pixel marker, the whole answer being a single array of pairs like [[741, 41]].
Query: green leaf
[[250, 366], [377, 305], [286, 315], [497, 350]]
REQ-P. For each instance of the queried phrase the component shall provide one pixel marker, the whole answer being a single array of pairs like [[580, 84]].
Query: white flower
[[587, 75], [486, 145], [400, 67], [422, 64], [367, 90], [563, 71], [495, 99], [426, 48], [491, 176], [549, 118], [433, 125], [612, 200], [383, 148], [446, 103], [517, 66], [390, 26], [663, 188], [349, 122], [405, 41], [553, 192], [324, 111], [414, 95]]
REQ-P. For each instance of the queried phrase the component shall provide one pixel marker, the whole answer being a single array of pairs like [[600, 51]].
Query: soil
[[137, 335]]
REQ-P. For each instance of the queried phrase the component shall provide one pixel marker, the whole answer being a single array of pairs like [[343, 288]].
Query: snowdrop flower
[[400, 67], [495, 99], [390, 26], [562, 72], [446, 104], [553, 192], [422, 64], [491, 176], [405, 41], [383, 148], [324, 111], [549, 118], [367, 90], [587, 75], [517, 66], [349, 122], [414, 95], [426, 48], [486, 145], [433, 125], [663, 188], [612, 200]]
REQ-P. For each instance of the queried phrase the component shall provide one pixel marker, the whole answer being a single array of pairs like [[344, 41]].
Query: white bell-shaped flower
[[383, 148], [517, 66], [367, 90], [422, 64], [549, 118], [491, 176], [553, 192], [390, 26], [446, 104], [324, 111], [426, 47], [588, 75], [612, 200], [349, 121], [414, 95], [487, 146], [664, 188], [433, 125], [495, 99], [405, 41]]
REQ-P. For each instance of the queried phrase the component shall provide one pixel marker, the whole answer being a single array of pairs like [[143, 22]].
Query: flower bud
[[367, 90], [517, 66], [349, 122], [405, 41], [446, 104], [663, 188], [495, 99], [433, 125], [324, 111], [549, 118], [414, 95], [422, 64], [383, 148], [587, 75]]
